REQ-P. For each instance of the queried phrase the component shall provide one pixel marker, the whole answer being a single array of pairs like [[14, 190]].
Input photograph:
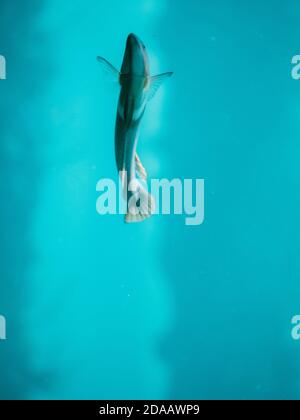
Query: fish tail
[[141, 206]]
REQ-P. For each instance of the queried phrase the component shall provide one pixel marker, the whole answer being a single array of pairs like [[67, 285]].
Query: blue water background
[[98, 309]]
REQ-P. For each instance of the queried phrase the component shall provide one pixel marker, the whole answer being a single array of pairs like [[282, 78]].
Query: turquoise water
[[98, 309]]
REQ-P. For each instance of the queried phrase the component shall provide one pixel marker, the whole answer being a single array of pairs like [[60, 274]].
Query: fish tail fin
[[141, 206]]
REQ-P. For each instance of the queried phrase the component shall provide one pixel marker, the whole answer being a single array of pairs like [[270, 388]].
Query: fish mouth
[[135, 59], [134, 41]]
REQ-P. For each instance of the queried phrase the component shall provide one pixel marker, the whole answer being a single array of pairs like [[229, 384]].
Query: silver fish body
[[137, 88]]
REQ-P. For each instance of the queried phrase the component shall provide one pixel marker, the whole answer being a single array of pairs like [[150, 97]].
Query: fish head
[[136, 61]]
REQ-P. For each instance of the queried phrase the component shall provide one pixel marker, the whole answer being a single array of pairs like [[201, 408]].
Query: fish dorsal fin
[[140, 168], [156, 82], [109, 69]]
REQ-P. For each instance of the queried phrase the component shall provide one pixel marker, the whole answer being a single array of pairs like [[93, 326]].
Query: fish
[[138, 87]]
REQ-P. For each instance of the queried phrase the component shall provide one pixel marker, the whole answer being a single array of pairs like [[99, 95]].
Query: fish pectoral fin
[[140, 168], [156, 82], [109, 69]]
